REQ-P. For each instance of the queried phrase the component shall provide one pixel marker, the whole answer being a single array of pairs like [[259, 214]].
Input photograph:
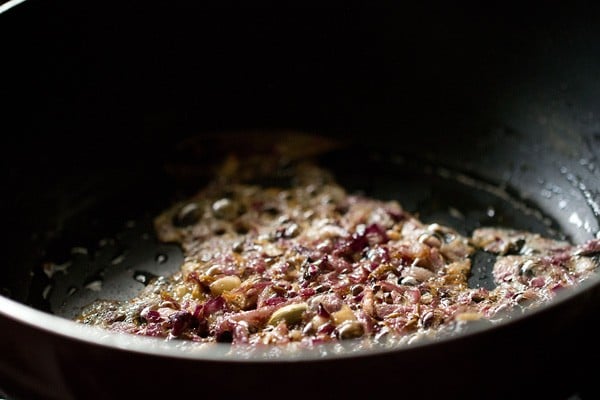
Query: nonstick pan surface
[[471, 117], [108, 250], [116, 264]]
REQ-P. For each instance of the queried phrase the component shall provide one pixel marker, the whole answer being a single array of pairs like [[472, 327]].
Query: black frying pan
[[471, 117]]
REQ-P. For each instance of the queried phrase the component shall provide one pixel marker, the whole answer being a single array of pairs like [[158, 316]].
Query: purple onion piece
[[213, 305], [321, 311], [179, 322]]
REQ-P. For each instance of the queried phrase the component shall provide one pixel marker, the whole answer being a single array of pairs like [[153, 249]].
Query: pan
[[468, 117]]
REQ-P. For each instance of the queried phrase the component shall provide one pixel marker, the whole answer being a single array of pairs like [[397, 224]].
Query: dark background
[[90, 85], [124, 76]]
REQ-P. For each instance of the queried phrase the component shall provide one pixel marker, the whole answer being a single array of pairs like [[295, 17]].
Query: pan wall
[[508, 93], [96, 96]]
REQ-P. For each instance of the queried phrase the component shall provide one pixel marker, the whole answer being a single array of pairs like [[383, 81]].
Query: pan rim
[[217, 352]]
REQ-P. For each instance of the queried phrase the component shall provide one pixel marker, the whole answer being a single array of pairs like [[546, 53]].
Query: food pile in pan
[[309, 263]]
